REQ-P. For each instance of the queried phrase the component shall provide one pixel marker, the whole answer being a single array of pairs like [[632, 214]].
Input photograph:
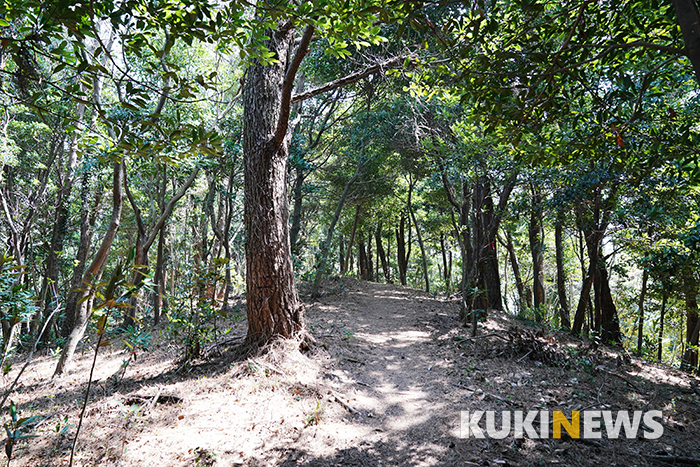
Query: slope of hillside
[[384, 386]]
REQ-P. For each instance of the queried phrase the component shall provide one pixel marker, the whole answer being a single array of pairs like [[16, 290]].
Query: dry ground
[[384, 386]]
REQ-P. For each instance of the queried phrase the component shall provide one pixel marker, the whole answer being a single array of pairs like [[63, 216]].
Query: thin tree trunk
[[159, 278], [382, 254], [351, 241], [660, 350], [689, 361], [93, 274], [446, 266], [370, 266], [536, 236], [402, 253], [510, 247], [642, 296], [88, 218], [564, 310], [424, 258], [326, 245]]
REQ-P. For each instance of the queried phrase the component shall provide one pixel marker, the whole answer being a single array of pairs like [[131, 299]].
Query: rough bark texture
[[273, 305]]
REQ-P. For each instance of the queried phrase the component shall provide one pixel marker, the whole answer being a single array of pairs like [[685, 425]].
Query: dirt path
[[385, 385], [393, 372]]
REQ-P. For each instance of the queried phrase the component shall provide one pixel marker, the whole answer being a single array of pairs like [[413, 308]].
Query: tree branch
[[168, 209], [288, 85], [349, 79]]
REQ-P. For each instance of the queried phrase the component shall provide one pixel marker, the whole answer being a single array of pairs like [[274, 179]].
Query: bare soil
[[385, 384]]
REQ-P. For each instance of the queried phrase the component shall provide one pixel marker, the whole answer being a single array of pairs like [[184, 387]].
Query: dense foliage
[[530, 156]]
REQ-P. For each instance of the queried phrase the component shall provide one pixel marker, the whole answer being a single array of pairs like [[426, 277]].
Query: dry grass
[[384, 385]]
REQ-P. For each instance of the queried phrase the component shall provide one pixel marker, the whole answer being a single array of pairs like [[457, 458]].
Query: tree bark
[[326, 245], [402, 251], [273, 305], [536, 237], [689, 362], [660, 349], [424, 258], [93, 274], [87, 222], [642, 296], [446, 265], [382, 254], [510, 248], [564, 310], [609, 325], [688, 18], [351, 241]]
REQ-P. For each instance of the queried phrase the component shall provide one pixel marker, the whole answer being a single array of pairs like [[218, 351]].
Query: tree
[[272, 303]]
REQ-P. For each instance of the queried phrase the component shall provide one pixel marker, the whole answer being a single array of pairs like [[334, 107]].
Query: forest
[[169, 168]]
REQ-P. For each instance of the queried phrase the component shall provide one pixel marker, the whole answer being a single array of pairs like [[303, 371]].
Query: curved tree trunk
[[325, 246], [420, 242], [93, 273]]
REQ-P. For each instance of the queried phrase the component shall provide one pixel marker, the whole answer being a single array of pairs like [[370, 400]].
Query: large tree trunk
[[489, 252], [609, 325], [93, 274], [564, 311], [273, 305], [688, 18]]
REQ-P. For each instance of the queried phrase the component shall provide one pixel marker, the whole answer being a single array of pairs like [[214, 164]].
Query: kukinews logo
[[589, 424]]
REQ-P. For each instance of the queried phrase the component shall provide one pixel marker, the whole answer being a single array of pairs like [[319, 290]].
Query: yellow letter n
[[572, 427]]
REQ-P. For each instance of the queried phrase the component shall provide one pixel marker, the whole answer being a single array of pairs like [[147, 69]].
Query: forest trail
[[385, 385], [393, 372]]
